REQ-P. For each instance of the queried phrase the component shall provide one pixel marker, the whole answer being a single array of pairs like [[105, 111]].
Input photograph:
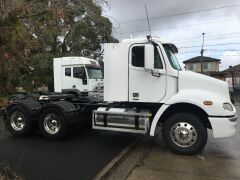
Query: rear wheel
[[52, 124], [184, 134], [19, 122]]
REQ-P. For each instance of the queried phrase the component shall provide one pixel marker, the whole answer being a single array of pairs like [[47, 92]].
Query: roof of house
[[198, 59], [233, 68]]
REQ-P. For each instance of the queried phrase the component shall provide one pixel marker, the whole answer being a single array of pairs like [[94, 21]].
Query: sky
[[182, 22]]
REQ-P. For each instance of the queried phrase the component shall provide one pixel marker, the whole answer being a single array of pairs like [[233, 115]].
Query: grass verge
[[6, 173], [3, 101]]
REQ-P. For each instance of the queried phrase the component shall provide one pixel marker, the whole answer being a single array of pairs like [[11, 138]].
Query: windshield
[[172, 58], [94, 73]]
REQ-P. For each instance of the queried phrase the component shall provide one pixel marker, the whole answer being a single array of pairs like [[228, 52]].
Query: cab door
[[145, 85], [80, 80], [75, 77], [66, 77]]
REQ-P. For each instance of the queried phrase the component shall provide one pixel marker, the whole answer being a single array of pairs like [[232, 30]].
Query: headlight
[[227, 107]]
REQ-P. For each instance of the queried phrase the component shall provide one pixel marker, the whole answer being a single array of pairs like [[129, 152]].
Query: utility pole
[[232, 76], [202, 50]]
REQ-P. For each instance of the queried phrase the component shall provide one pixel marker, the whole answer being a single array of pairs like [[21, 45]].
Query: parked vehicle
[[77, 75], [144, 87]]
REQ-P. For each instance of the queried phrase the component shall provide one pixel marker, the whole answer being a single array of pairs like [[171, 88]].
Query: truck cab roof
[[155, 39], [76, 61], [144, 40]]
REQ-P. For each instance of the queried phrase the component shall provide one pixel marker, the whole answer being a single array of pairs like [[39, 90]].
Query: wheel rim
[[183, 134], [52, 124], [18, 121]]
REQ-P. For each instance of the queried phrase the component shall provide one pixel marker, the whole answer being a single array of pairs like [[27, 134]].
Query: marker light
[[207, 103]]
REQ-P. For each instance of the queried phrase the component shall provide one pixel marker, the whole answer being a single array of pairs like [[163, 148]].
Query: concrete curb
[[107, 169]]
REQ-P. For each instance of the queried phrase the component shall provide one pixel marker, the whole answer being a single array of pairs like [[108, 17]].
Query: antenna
[[149, 27]]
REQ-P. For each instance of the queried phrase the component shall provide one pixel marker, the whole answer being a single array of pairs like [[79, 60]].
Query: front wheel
[[185, 134], [52, 124]]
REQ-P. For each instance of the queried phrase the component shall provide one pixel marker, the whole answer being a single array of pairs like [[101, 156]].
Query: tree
[[15, 43], [48, 29]]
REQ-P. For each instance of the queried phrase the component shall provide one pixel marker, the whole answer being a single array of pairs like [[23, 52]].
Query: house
[[210, 65], [232, 76]]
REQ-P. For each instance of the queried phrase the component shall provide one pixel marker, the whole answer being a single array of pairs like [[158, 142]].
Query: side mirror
[[149, 57]]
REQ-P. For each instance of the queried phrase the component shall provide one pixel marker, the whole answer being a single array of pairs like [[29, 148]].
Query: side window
[[205, 65], [190, 67], [195, 67], [79, 72], [157, 59], [68, 72], [138, 56]]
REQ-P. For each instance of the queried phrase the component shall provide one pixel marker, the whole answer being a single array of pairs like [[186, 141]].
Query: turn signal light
[[207, 103]]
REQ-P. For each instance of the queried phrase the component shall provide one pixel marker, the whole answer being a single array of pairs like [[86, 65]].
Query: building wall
[[207, 67]]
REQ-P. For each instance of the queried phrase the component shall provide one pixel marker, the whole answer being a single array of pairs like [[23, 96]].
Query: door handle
[[156, 74]]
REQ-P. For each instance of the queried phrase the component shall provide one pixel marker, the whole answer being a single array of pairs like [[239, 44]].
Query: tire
[[53, 124], [19, 122], [184, 134]]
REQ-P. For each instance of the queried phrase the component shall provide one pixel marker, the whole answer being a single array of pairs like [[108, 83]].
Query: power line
[[237, 55], [214, 35], [182, 26], [207, 39], [222, 44], [220, 50], [181, 13], [215, 50]]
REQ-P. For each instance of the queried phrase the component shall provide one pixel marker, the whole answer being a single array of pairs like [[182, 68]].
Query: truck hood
[[190, 80]]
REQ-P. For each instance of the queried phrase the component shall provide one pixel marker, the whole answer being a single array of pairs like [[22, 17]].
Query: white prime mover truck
[[144, 87], [77, 75]]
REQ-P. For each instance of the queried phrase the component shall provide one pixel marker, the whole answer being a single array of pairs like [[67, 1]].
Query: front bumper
[[223, 127]]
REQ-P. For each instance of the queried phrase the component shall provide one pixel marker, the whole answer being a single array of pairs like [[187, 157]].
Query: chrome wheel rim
[[183, 134], [17, 121], [52, 124]]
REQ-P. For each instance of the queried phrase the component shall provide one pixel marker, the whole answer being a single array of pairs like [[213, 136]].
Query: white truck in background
[[77, 75], [144, 87]]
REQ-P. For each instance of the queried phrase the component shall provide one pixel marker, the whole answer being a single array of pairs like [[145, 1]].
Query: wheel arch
[[55, 106], [167, 110], [75, 92], [69, 111], [186, 108], [32, 107]]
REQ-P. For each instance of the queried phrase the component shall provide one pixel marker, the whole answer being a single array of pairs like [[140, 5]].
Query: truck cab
[[77, 74], [148, 74]]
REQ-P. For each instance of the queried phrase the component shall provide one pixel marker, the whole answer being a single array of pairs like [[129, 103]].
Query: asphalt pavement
[[80, 156]]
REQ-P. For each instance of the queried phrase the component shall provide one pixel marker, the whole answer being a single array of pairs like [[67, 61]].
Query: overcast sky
[[183, 22]]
